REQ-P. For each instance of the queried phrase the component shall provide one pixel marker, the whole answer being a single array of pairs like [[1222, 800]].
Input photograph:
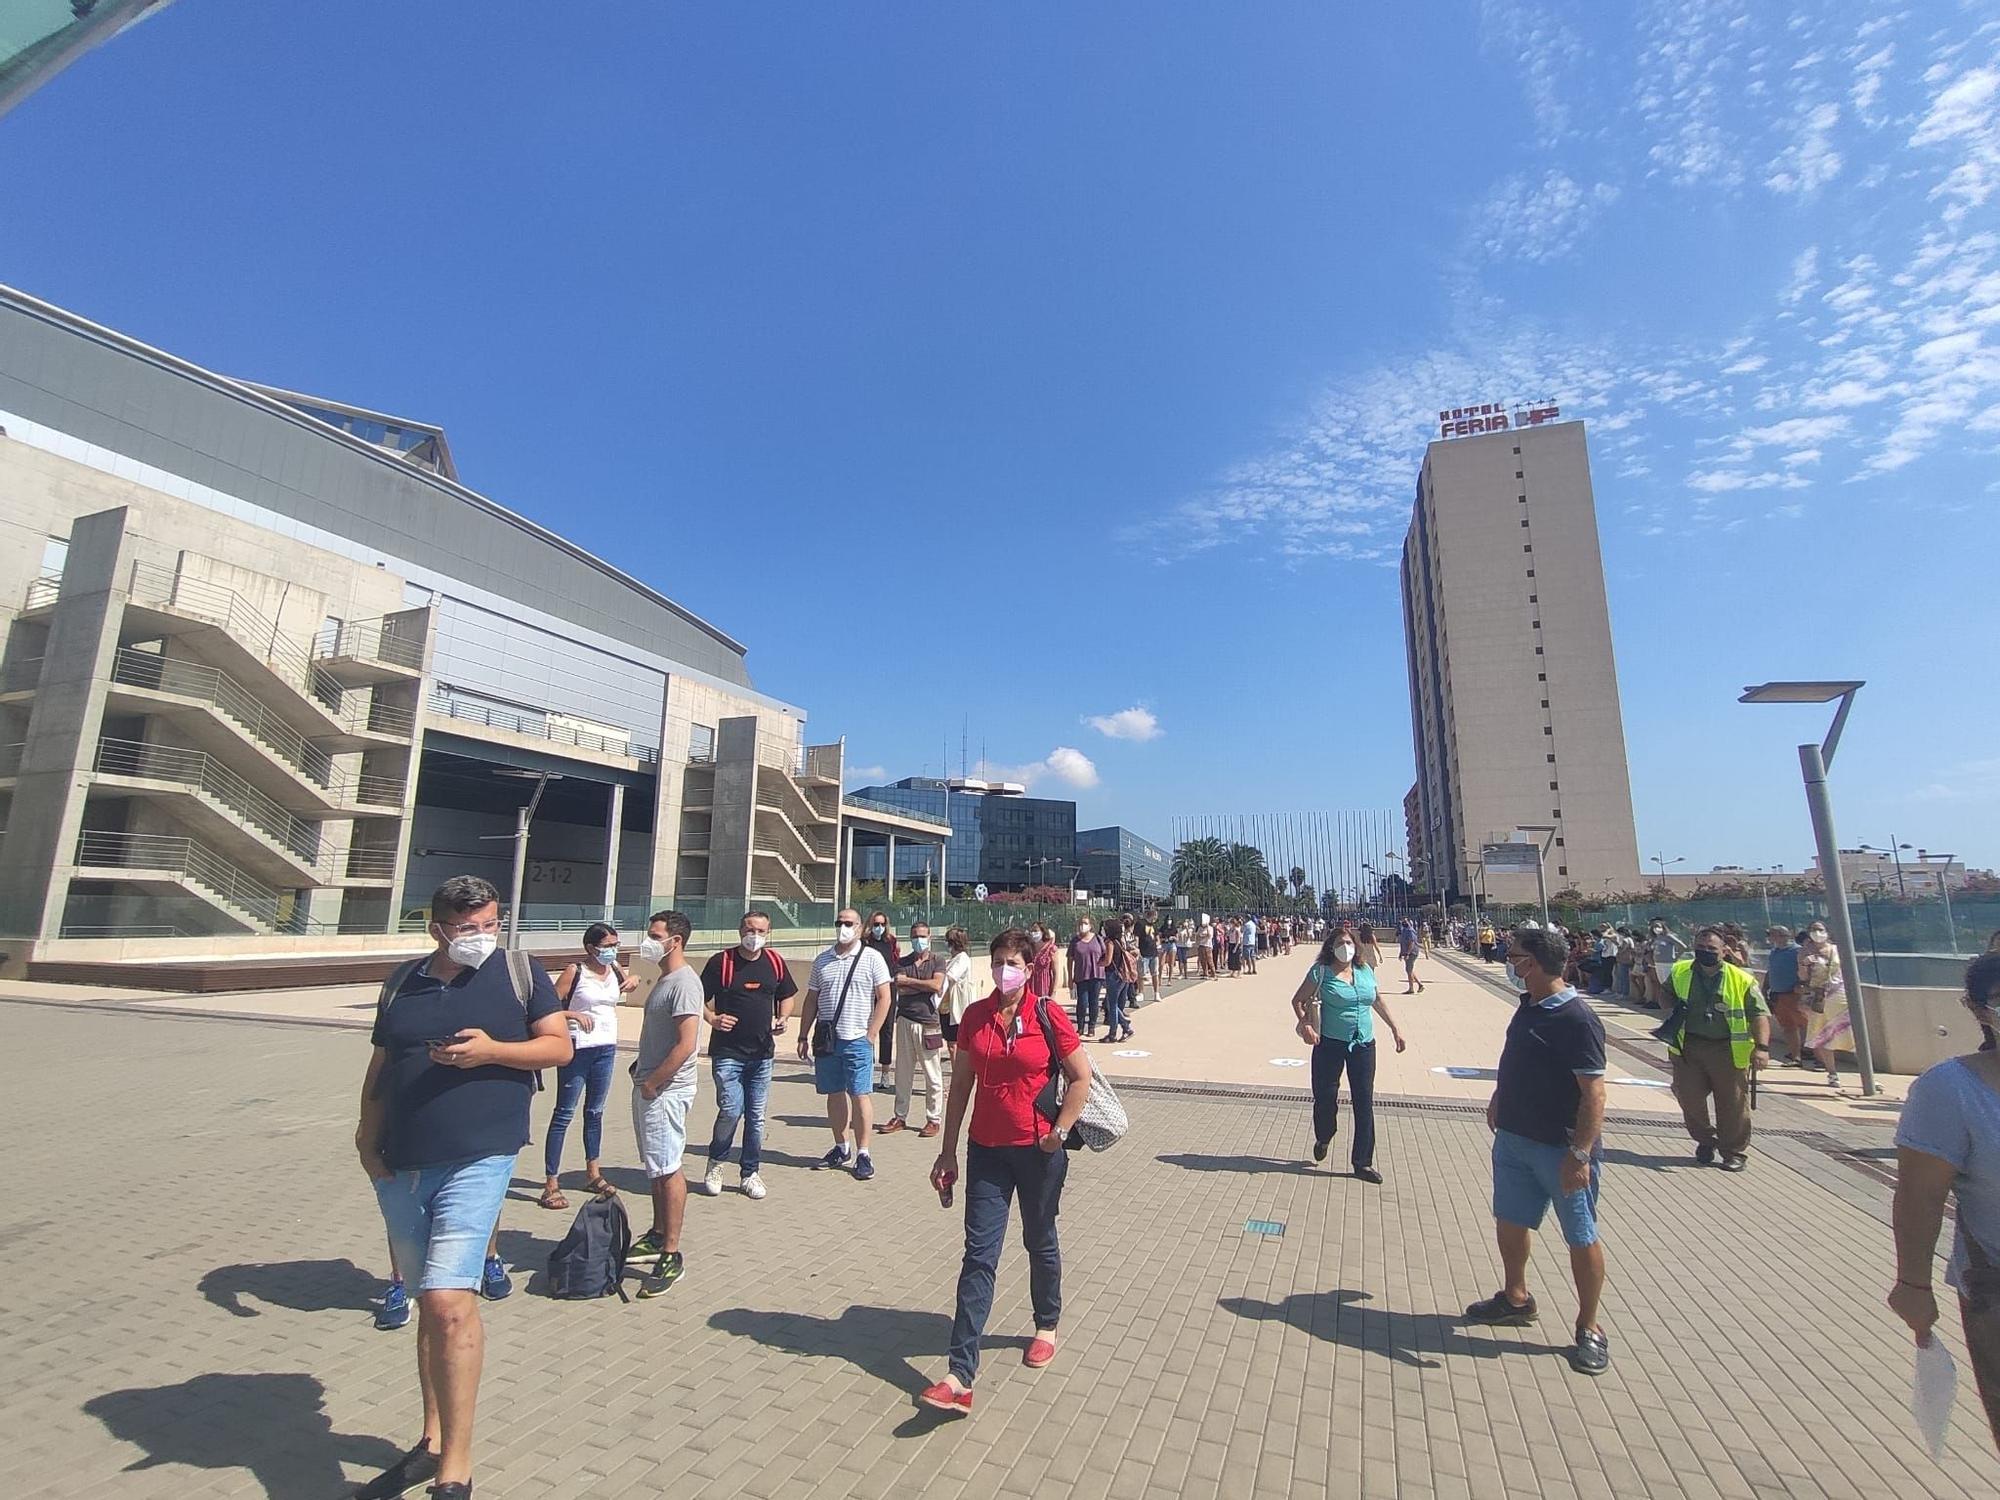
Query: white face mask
[[652, 949], [844, 932], [753, 942], [1343, 952], [471, 949]]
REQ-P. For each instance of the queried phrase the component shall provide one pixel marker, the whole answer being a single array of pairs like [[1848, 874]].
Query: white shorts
[[660, 1123], [1665, 971]]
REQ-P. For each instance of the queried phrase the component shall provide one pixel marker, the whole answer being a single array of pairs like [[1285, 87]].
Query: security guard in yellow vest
[[1724, 1031]]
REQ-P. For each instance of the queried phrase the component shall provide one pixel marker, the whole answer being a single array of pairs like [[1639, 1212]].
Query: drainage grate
[[1264, 1226]]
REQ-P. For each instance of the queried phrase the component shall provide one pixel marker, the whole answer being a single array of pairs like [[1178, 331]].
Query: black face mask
[[1707, 959]]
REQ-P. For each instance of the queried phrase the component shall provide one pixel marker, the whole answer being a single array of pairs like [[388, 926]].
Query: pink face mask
[[1010, 977]]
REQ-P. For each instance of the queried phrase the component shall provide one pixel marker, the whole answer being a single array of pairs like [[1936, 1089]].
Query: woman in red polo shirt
[[1003, 1064]]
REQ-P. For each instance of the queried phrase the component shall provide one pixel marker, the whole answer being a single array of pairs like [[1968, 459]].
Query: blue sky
[[1085, 355]]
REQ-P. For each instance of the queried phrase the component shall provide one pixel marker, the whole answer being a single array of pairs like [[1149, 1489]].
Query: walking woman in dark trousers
[[1336, 1004], [1008, 1044]]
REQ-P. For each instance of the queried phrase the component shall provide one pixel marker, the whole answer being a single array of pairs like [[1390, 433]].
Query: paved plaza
[[194, 1250]]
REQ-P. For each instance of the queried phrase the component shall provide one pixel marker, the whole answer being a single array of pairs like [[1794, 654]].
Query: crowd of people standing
[[458, 1036]]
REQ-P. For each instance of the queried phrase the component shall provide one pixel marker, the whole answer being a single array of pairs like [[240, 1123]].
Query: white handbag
[[1103, 1122]]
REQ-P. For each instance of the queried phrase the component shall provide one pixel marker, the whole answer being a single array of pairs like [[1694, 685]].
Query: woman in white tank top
[[589, 989]]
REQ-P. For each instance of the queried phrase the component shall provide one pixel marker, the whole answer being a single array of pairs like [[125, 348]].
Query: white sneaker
[[753, 1186], [711, 1184]]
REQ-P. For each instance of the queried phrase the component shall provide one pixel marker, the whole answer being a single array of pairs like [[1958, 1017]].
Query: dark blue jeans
[[994, 1175], [1329, 1059], [1117, 995], [586, 1076], [742, 1085], [1088, 993]]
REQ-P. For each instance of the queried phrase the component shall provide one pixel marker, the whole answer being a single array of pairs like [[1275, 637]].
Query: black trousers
[[1329, 1059]]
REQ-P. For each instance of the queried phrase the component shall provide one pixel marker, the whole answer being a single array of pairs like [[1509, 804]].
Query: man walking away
[[1781, 988], [663, 1088], [1723, 1032], [849, 989], [444, 1108], [749, 993], [919, 1036], [1546, 1115]]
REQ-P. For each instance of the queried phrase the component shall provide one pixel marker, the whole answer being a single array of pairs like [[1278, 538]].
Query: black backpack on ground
[[590, 1261]]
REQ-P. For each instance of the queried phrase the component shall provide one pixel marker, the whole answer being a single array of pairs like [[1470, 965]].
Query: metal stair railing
[[197, 864], [211, 685], [221, 605], [369, 640], [196, 768]]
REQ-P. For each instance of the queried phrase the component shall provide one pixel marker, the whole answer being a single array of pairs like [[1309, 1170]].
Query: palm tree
[[1198, 862], [1298, 879]]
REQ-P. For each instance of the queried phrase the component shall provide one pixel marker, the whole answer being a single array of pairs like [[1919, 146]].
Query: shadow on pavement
[[1618, 1156], [881, 1341], [527, 1252], [276, 1426], [1197, 1163], [1339, 1318], [303, 1285]]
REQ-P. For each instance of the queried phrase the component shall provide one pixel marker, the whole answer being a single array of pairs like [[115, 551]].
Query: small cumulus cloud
[[867, 775], [1065, 763], [1133, 723], [1068, 764]]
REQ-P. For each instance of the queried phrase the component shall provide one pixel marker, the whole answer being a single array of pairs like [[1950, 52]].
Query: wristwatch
[[1578, 1153]]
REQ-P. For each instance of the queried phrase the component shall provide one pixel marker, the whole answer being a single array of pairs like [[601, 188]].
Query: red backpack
[[729, 964]]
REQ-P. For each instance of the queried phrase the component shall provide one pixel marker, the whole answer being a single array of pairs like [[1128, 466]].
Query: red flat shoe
[[944, 1398], [1040, 1352]]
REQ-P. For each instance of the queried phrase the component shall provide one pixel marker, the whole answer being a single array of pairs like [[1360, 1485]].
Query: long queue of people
[[460, 1036]]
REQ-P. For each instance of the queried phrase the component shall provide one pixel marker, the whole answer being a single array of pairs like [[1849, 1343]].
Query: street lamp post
[[522, 818], [1895, 853], [1662, 861], [1813, 763], [1944, 890], [1541, 864]]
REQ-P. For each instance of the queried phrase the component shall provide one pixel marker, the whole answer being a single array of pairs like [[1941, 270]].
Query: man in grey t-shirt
[[663, 1085]]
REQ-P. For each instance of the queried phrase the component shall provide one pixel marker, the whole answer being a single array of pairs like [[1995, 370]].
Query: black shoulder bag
[[823, 1038]]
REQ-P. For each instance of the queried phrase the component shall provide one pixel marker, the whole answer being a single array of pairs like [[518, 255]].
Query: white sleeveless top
[[597, 996]]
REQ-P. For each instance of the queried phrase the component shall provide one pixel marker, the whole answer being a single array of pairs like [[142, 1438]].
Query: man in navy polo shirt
[[1546, 1115], [444, 1109]]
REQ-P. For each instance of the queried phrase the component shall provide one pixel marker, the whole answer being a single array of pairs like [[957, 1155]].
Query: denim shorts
[[1525, 1184], [440, 1219], [849, 1070], [661, 1126]]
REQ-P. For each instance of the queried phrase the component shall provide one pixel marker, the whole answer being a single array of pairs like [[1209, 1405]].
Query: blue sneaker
[[395, 1309], [494, 1282], [837, 1157], [864, 1167]]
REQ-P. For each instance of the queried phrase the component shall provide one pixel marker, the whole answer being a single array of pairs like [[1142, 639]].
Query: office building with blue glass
[[1118, 863], [1000, 837]]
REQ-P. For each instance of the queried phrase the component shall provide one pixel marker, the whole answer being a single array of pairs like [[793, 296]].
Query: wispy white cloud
[[1811, 161], [1538, 220], [1135, 723], [1543, 50]]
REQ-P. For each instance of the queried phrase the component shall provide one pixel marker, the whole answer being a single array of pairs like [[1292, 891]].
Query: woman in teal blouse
[[1336, 1004]]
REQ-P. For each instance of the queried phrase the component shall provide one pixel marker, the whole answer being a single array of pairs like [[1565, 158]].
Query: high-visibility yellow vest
[[1736, 985]]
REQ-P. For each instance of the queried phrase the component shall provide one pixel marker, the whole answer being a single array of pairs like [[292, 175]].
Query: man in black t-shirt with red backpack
[[747, 998]]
